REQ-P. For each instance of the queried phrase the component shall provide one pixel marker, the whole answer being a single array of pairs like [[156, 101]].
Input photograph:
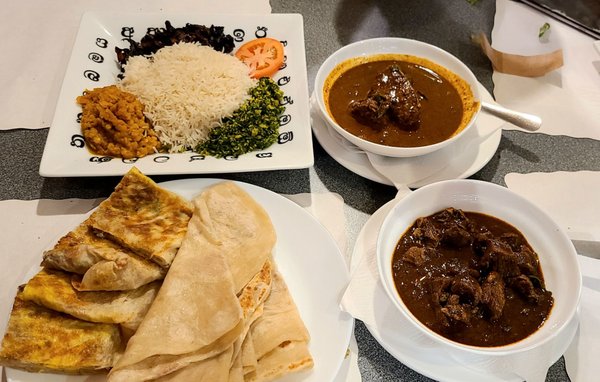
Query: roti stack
[[129, 241], [101, 263], [224, 312], [42, 340], [98, 282]]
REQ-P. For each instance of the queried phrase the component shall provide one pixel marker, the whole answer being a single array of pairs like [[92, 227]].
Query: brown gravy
[[444, 110], [471, 278]]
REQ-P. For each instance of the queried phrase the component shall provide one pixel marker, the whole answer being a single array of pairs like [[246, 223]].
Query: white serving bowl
[[556, 253], [393, 45]]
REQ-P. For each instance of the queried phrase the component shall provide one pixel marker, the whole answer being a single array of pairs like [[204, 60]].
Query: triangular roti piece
[[236, 373], [280, 321], [144, 218], [214, 369], [288, 357], [80, 347], [251, 299], [248, 355], [279, 337], [103, 264], [53, 289], [196, 315], [234, 222]]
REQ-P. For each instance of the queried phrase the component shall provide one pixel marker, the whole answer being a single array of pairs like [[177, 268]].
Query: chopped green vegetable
[[254, 126], [543, 29], [472, 2]]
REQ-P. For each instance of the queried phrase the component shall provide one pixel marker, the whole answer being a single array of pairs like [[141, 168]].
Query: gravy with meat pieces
[[398, 100], [471, 278]]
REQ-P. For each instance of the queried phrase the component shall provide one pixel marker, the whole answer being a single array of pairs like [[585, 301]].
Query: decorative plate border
[[93, 64]]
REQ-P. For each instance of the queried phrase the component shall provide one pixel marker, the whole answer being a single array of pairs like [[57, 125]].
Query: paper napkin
[[572, 200], [39, 35], [581, 358], [327, 208], [567, 99]]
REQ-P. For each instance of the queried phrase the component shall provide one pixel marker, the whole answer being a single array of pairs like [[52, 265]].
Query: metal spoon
[[525, 121]]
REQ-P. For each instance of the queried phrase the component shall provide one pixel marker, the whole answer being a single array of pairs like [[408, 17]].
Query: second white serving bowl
[[558, 258], [393, 45]]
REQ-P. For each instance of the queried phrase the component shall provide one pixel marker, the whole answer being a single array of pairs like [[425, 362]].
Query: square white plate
[[93, 64]]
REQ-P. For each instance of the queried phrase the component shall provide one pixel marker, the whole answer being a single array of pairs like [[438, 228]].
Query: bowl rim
[[509, 349], [378, 148]]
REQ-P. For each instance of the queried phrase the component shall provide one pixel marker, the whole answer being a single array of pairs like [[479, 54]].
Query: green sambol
[[254, 126]]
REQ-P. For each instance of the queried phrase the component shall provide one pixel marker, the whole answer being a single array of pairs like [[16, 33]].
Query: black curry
[[471, 278]]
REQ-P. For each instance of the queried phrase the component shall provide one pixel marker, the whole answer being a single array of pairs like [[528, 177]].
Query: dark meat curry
[[391, 101], [398, 100], [471, 278]]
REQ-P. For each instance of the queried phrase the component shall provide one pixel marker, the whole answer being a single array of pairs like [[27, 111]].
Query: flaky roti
[[196, 315], [236, 373], [213, 369], [287, 357], [144, 218], [279, 337], [216, 368], [248, 359], [280, 321], [53, 289], [103, 264], [234, 222], [252, 298], [41, 340]]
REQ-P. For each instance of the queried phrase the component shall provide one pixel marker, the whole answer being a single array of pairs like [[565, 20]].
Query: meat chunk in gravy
[[467, 288], [416, 255], [475, 273], [492, 295], [391, 98]]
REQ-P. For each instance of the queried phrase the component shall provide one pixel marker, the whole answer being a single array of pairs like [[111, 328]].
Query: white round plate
[[461, 165], [313, 268], [404, 342]]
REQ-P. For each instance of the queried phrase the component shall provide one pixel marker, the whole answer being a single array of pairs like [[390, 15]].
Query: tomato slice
[[264, 56]]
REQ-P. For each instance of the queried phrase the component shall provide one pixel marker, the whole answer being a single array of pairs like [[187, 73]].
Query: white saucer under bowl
[[461, 164], [408, 345]]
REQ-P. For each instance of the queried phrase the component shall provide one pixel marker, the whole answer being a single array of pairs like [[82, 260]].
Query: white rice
[[186, 90]]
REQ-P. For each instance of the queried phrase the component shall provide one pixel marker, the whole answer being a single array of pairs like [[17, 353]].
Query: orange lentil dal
[[113, 124]]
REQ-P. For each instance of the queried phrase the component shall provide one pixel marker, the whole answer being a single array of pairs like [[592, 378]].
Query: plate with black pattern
[[93, 64]]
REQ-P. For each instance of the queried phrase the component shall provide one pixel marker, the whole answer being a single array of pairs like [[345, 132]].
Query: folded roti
[[42, 340], [196, 315], [236, 373], [103, 264], [251, 300], [53, 289], [288, 357], [141, 216], [279, 337], [213, 369], [234, 222], [248, 359], [217, 296]]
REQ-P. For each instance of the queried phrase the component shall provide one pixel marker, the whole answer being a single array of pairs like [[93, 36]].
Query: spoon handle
[[525, 121]]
